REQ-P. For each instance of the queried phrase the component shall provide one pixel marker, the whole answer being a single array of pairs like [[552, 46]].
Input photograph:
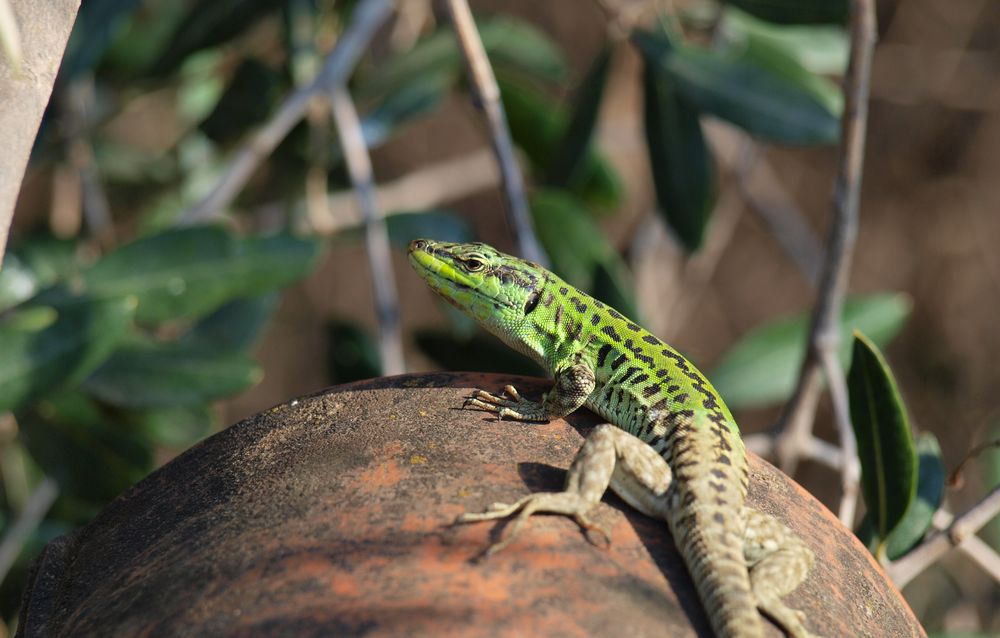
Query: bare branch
[[960, 530], [487, 94], [31, 516], [359, 166], [824, 334], [337, 68], [850, 469]]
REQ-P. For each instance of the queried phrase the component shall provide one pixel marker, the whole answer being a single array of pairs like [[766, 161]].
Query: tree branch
[[961, 528], [31, 516], [487, 94], [359, 167], [337, 68], [796, 422]]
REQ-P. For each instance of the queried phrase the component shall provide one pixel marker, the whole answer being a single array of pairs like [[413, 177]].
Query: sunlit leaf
[[188, 272], [760, 369], [821, 49], [17, 282], [889, 465], [61, 351]]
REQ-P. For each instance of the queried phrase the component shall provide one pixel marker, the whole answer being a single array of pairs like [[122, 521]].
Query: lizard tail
[[710, 539]]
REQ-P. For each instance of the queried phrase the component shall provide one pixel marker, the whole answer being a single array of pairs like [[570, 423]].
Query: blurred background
[[180, 332]]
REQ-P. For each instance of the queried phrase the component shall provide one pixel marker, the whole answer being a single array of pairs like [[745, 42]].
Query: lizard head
[[497, 290]]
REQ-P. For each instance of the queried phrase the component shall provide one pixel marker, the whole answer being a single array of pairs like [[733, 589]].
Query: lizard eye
[[473, 265]]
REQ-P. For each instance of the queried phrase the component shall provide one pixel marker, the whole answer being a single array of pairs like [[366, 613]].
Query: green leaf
[[188, 272], [572, 149], [37, 362], [406, 103], [175, 428], [511, 45], [537, 127], [889, 463], [50, 260], [760, 369], [442, 225], [758, 95], [481, 353], [778, 57], [796, 11], [208, 24], [990, 476], [682, 166], [70, 438], [246, 102], [351, 353], [821, 49], [146, 374], [578, 249], [235, 326], [930, 491], [17, 282]]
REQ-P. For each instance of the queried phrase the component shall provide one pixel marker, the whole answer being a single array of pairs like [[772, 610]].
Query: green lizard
[[677, 456]]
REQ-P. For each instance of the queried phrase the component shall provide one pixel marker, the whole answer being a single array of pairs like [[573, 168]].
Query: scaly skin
[[677, 456]]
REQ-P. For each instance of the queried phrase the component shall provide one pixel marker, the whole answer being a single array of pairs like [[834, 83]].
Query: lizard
[[670, 448]]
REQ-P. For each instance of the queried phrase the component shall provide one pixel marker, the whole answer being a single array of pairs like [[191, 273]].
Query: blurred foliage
[[114, 354]]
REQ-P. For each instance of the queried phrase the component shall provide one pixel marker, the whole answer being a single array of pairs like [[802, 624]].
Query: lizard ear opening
[[532, 302]]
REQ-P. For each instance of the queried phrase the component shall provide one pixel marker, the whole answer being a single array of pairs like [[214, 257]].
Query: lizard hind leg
[[779, 561], [609, 457]]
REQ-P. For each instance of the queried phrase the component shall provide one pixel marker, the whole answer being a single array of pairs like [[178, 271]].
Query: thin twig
[[78, 104], [797, 418], [359, 167], [487, 94], [28, 520], [906, 568], [850, 470], [338, 66]]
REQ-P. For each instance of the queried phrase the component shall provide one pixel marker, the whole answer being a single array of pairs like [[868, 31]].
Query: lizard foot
[[565, 503], [513, 405]]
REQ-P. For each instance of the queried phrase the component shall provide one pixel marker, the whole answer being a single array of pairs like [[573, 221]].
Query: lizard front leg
[[573, 385]]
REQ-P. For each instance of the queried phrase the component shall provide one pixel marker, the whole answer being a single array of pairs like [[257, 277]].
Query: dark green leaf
[[36, 362], [351, 353], [760, 369], [246, 102], [432, 224], [795, 11], [578, 249], [188, 272], [176, 428], [885, 443], [682, 166], [537, 127], [235, 326], [409, 101], [759, 97], [572, 149], [145, 374], [990, 476], [96, 25], [481, 353], [209, 24], [49, 259], [930, 491], [73, 442]]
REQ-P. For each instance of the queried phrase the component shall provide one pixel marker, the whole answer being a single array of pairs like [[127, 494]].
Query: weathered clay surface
[[330, 515]]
